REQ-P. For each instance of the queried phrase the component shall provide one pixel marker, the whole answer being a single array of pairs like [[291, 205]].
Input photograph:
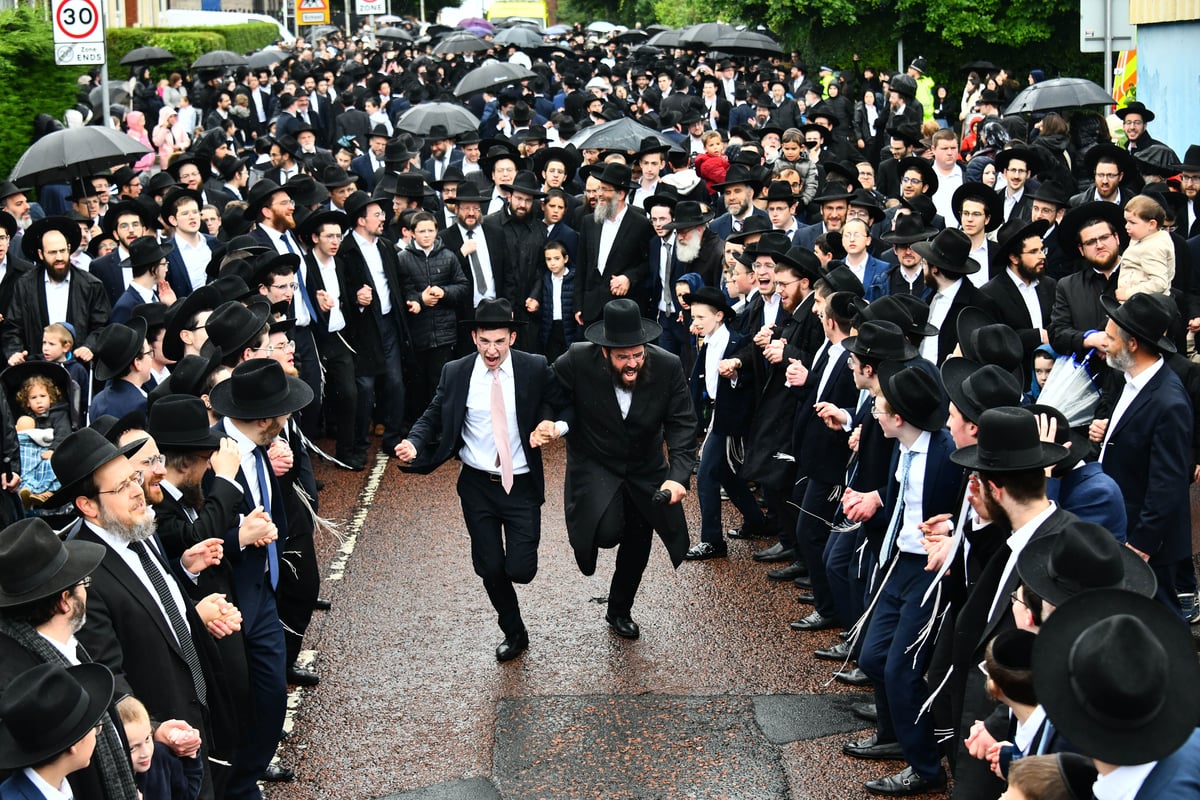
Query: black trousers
[[299, 586], [341, 391], [427, 371], [308, 362], [505, 530], [623, 525]]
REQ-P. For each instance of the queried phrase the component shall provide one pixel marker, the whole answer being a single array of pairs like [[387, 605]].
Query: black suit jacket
[[452, 238], [628, 256], [968, 296], [1009, 308], [368, 321], [88, 308], [108, 270], [821, 453]]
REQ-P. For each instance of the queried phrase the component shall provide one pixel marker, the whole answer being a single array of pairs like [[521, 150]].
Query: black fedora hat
[[259, 389], [771, 243], [889, 309], [31, 240], [1018, 153], [9, 223], [357, 203], [663, 196], [949, 251], [985, 341], [314, 222], [35, 563], [267, 263], [650, 145], [622, 326], [834, 192], [918, 309], [205, 298], [1008, 441], [924, 167], [780, 191], [881, 340], [1012, 235], [752, 225], [334, 177], [863, 199], [909, 134], [1143, 316], [82, 453], [614, 174], [1052, 192], [180, 422], [842, 279], [490, 314], [1077, 219], [48, 708], [232, 326], [713, 298], [259, 196], [189, 375], [1191, 160], [739, 174], [154, 314], [981, 192], [453, 174], [1117, 672], [1136, 107], [975, 387], [146, 253], [125, 208], [1081, 557], [567, 156], [689, 214], [802, 259], [498, 152], [915, 394], [117, 347], [305, 191], [525, 182], [1110, 152]]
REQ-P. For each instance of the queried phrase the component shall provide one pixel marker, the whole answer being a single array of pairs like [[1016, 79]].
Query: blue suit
[[876, 278], [18, 787], [723, 225], [108, 270], [123, 309], [1090, 494], [361, 166], [1176, 777], [177, 274], [119, 398]]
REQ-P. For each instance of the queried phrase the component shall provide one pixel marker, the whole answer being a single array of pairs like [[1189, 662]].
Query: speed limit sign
[[78, 32]]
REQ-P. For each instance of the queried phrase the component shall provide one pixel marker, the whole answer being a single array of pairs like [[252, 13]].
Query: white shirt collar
[[1139, 381], [1123, 783], [1021, 536]]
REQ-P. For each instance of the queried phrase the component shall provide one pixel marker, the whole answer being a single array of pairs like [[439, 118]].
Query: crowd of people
[[936, 358]]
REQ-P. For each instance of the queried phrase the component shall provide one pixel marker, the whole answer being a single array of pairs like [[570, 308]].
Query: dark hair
[[1039, 778], [554, 244], [1017, 684], [35, 612], [1033, 601], [181, 460], [1023, 486]]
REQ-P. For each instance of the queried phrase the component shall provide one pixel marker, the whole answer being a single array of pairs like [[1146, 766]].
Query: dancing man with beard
[[630, 397], [612, 247]]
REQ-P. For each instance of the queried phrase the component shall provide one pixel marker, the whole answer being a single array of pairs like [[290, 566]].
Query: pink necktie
[[500, 434]]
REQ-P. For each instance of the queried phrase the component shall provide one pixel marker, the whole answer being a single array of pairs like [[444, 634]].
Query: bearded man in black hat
[[629, 398], [55, 291], [1091, 234], [613, 256], [524, 235]]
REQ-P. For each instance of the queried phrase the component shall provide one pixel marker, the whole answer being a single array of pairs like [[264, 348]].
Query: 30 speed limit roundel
[[77, 19]]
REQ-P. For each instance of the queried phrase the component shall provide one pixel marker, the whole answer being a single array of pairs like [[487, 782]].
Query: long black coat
[[606, 453], [629, 256], [364, 323], [27, 316]]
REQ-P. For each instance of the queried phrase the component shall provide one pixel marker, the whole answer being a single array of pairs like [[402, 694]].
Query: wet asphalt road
[[718, 699]]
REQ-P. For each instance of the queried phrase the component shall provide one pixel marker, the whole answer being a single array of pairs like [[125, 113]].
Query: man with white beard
[[612, 246], [698, 249]]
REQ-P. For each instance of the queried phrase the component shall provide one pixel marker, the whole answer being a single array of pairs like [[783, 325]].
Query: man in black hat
[[908, 275], [501, 484], [55, 291], [833, 205], [1134, 119], [1189, 179], [629, 397], [482, 252], [651, 160], [613, 255], [1091, 233], [1049, 202], [523, 235], [1145, 443], [442, 153], [370, 163], [1109, 165], [738, 191], [123, 358], [148, 270], [947, 266], [12, 264], [1022, 295]]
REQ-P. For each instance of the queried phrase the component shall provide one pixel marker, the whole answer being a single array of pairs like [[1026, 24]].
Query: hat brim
[[31, 240], [98, 682], [1049, 454], [209, 441], [685, 224], [1034, 569], [955, 371], [299, 394], [1115, 311], [69, 491], [934, 420], [107, 371], [596, 334], [206, 297], [1072, 223], [925, 249], [986, 195], [852, 344], [1159, 734], [82, 560]]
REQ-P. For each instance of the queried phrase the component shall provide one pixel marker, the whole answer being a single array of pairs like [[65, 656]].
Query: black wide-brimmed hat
[[314, 222], [771, 243], [1191, 160], [233, 325], [48, 708], [452, 174], [802, 259], [842, 279], [180, 422], [949, 251], [1136, 107], [126, 208], [1012, 235], [713, 298], [650, 145], [35, 563], [81, 454], [204, 298], [1075, 220], [259, 389], [915, 394], [189, 374], [1109, 152], [305, 191], [357, 202], [923, 166], [259, 196], [145, 252], [863, 199], [894, 309], [525, 182], [980, 192], [1117, 672], [117, 347], [1008, 441], [689, 214], [919, 310], [737, 175], [267, 263], [622, 326], [490, 314], [1019, 153], [615, 175], [1081, 557], [975, 387], [1143, 316], [753, 224], [985, 341], [334, 177], [780, 192], [882, 340], [31, 240], [1053, 192]]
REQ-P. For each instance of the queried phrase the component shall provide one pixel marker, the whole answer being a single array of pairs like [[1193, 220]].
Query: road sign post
[[78, 32]]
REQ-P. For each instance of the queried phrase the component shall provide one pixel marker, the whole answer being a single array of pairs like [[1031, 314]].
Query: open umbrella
[[117, 93], [633, 36], [421, 117], [476, 22], [266, 58], [977, 66], [219, 59], [394, 33], [74, 153], [518, 36], [461, 42], [389, 19], [1059, 93], [705, 33], [747, 43], [665, 39], [147, 56], [557, 30], [600, 26], [491, 75], [319, 31], [620, 134]]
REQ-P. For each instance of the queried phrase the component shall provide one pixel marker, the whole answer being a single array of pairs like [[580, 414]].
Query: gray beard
[[1122, 362], [132, 534], [604, 210], [688, 251]]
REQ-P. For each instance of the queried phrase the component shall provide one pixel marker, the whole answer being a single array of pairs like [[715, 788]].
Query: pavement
[[718, 699]]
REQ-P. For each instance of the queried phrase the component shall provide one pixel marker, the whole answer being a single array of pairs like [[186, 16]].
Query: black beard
[[193, 496], [619, 380]]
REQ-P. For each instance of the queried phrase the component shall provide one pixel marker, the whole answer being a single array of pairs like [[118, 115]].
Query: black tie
[[477, 268], [178, 624]]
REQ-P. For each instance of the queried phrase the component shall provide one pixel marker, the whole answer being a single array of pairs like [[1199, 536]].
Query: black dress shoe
[[852, 677], [844, 636], [774, 554], [806, 598], [624, 627], [865, 711], [299, 676], [277, 774], [874, 749], [839, 652], [905, 783], [748, 532], [706, 550], [814, 622], [352, 461], [512, 646], [321, 604], [803, 582], [787, 573]]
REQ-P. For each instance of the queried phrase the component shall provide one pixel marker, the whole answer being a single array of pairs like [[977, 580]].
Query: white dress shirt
[[939, 309], [1016, 543], [58, 298], [479, 443], [1133, 385], [61, 792], [485, 263], [374, 262], [121, 548], [1028, 292], [908, 539], [337, 320], [195, 258], [771, 306], [714, 351], [1123, 783], [608, 235]]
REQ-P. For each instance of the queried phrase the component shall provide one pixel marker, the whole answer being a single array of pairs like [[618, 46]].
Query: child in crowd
[[1148, 264], [1043, 361], [58, 344], [558, 327], [43, 425], [712, 165], [1064, 776], [158, 773]]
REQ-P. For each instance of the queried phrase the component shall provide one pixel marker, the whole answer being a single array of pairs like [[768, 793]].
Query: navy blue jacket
[[732, 411], [1091, 495]]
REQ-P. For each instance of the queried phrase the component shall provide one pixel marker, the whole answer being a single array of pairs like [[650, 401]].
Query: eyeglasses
[[1016, 171], [629, 358], [286, 347], [1098, 240], [281, 286], [972, 214], [1107, 176], [85, 582], [785, 284], [911, 181], [138, 478], [155, 460], [1013, 597], [145, 354], [1036, 251], [855, 235], [289, 203]]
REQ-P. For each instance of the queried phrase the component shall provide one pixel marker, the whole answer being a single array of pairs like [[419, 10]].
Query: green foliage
[[27, 50]]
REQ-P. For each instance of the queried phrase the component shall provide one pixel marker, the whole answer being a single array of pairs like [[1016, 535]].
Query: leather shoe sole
[[813, 622], [512, 646], [872, 750], [806, 598], [298, 676], [775, 554], [852, 677], [277, 774], [321, 604], [624, 627], [904, 783], [839, 652]]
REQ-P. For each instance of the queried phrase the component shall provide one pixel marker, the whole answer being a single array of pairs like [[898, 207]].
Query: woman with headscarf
[[164, 137], [136, 121]]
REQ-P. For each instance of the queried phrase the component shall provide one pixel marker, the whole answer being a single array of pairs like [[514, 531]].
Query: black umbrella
[[423, 116], [491, 75], [147, 56], [461, 42], [394, 33], [1059, 93], [978, 66], [319, 31], [74, 153], [117, 93], [620, 134], [518, 36], [219, 59], [631, 36], [705, 33], [266, 58], [665, 39], [747, 43]]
